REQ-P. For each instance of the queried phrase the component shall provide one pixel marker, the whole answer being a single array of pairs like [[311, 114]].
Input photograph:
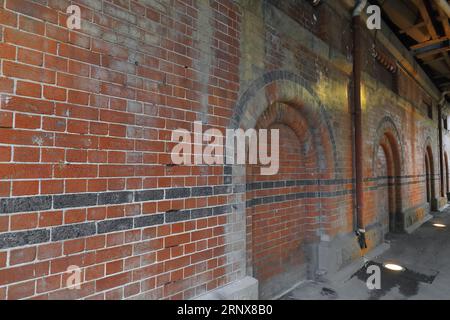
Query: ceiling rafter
[[429, 43], [444, 45], [423, 26], [420, 4], [445, 24]]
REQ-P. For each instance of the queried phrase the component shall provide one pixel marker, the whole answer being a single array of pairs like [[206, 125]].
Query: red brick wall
[[86, 118], [91, 111]]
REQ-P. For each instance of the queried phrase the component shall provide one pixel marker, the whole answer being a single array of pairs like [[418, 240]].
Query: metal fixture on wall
[[314, 2], [384, 60]]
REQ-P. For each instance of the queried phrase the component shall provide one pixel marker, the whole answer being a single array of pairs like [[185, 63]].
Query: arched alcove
[[387, 171], [429, 175], [446, 174], [284, 217]]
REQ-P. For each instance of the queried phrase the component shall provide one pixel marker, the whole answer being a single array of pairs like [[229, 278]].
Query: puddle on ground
[[406, 281]]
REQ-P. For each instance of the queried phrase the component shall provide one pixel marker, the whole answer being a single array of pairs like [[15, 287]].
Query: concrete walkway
[[425, 254]]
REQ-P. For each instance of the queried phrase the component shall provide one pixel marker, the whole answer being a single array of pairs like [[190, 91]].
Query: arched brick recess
[[282, 225], [388, 128], [429, 171], [446, 177], [387, 171], [282, 86], [280, 100]]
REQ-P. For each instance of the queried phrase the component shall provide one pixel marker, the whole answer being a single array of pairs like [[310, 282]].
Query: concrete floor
[[425, 254]]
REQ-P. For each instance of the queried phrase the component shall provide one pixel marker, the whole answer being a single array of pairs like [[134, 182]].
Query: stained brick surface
[[86, 117]]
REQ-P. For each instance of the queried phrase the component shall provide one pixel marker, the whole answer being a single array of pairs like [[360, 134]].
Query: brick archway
[[387, 169], [446, 174], [283, 210], [282, 86], [387, 128], [287, 207], [430, 189]]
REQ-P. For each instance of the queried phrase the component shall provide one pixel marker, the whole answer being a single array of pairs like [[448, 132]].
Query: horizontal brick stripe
[[85, 200], [322, 182], [434, 177], [66, 201], [80, 230], [22, 238], [25, 204], [294, 183], [295, 196]]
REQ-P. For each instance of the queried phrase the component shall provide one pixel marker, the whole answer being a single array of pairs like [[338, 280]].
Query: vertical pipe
[[358, 161], [357, 118], [441, 105], [441, 151]]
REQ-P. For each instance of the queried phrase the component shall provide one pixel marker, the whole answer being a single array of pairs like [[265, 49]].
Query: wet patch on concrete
[[407, 281]]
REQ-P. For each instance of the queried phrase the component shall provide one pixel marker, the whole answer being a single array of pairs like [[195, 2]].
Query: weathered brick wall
[[86, 119], [85, 127]]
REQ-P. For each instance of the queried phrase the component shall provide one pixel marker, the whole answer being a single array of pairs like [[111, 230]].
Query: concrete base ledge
[[439, 204], [285, 292], [243, 289], [345, 273], [441, 209], [417, 225]]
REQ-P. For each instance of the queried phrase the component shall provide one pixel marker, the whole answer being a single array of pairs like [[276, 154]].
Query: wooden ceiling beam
[[404, 18], [416, 26], [430, 61], [432, 31], [426, 18], [429, 43], [432, 52], [444, 21]]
